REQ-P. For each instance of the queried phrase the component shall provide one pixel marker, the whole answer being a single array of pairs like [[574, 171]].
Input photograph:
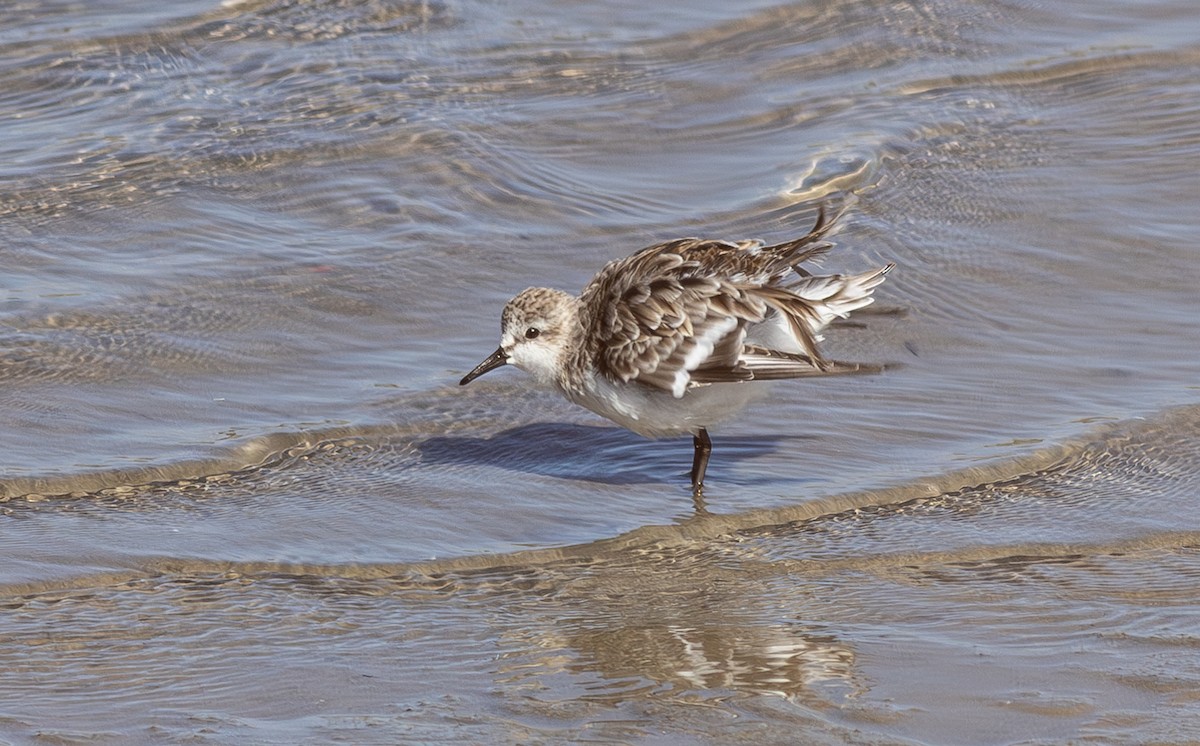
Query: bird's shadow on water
[[609, 455]]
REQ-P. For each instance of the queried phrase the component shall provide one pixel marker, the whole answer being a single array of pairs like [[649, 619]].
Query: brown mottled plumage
[[660, 341]]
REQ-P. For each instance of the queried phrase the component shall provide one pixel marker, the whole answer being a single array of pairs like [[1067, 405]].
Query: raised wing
[[677, 313]]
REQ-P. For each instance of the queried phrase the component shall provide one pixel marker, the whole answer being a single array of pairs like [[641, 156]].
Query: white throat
[[542, 361]]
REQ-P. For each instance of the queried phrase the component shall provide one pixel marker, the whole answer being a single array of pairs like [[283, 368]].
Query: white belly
[[655, 413]]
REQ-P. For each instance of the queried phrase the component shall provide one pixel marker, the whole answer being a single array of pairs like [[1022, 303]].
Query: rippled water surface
[[250, 247]]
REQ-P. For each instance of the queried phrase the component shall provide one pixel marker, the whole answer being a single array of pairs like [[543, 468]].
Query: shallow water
[[250, 247]]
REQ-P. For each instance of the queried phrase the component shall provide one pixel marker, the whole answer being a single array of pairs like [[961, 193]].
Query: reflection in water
[[630, 637], [773, 660]]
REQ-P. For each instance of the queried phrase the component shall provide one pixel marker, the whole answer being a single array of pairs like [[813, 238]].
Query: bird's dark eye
[[532, 332]]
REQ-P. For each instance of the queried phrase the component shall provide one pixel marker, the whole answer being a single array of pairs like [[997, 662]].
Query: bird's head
[[537, 328]]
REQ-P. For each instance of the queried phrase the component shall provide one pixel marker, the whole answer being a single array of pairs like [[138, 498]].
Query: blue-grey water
[[249, 248]]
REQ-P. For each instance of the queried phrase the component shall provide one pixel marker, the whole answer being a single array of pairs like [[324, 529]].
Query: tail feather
[[836, 296], [807, 306]]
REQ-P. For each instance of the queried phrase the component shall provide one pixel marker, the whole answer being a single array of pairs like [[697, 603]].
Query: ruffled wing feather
[[677, 313]]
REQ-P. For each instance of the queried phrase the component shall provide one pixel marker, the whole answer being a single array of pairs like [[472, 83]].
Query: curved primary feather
[[680, 313]]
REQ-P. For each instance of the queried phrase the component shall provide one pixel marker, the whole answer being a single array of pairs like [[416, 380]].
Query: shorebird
[[670, 340]]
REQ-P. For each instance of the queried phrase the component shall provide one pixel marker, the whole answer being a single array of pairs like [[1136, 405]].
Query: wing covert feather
[[659, 314]]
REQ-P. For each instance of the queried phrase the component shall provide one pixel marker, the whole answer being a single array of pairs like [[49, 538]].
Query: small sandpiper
[[669, 340]]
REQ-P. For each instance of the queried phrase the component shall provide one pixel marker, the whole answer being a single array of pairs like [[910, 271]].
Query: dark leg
[[703, 447]]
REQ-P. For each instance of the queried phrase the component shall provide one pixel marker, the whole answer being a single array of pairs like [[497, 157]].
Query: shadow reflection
[[609, 455]]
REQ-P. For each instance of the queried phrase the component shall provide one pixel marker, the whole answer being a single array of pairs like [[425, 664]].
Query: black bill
[[495, 360]]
